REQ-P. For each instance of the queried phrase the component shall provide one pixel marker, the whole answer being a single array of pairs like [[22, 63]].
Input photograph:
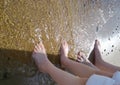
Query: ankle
[[44, 66]]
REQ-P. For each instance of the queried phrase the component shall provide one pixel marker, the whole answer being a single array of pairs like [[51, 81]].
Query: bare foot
[[63, 52], [95, 54], [40, 57], [81, 57], [97, 51], [97, 45]]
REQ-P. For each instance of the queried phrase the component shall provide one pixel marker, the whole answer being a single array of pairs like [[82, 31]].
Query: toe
[[35, 50], [63, 42], [78, 54], [36, 47], [66, 44], [97, 44], [79, 59], [41, 45], [81, 56]]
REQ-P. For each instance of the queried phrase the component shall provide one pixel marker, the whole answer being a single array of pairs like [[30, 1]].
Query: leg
[[75, 67], [64, 78], [100, 63], [44, 65]]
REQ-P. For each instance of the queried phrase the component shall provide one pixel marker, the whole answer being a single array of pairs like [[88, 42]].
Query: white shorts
[[103, 80]]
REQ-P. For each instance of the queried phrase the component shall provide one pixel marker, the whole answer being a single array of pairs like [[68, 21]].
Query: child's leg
[[64, 78], [44, 65]]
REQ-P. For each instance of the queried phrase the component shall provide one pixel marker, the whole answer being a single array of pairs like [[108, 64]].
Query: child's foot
[[81, 57], [63, 52], [84, 60], [40, 57]]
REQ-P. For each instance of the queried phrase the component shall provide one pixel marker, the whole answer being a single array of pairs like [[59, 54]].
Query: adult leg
[[78, 68], [44, 65], [100, 63], [97, 63]]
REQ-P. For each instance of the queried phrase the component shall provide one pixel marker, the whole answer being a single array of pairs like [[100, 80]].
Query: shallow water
[[23, 23]]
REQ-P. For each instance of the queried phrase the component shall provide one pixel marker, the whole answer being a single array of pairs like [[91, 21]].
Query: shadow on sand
[[24, 56], [9, 56]]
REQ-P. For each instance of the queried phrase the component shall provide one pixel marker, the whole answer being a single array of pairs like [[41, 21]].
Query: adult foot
[[40, 57], [97, 51], [63, 52], [97, 45], [95, 54]]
